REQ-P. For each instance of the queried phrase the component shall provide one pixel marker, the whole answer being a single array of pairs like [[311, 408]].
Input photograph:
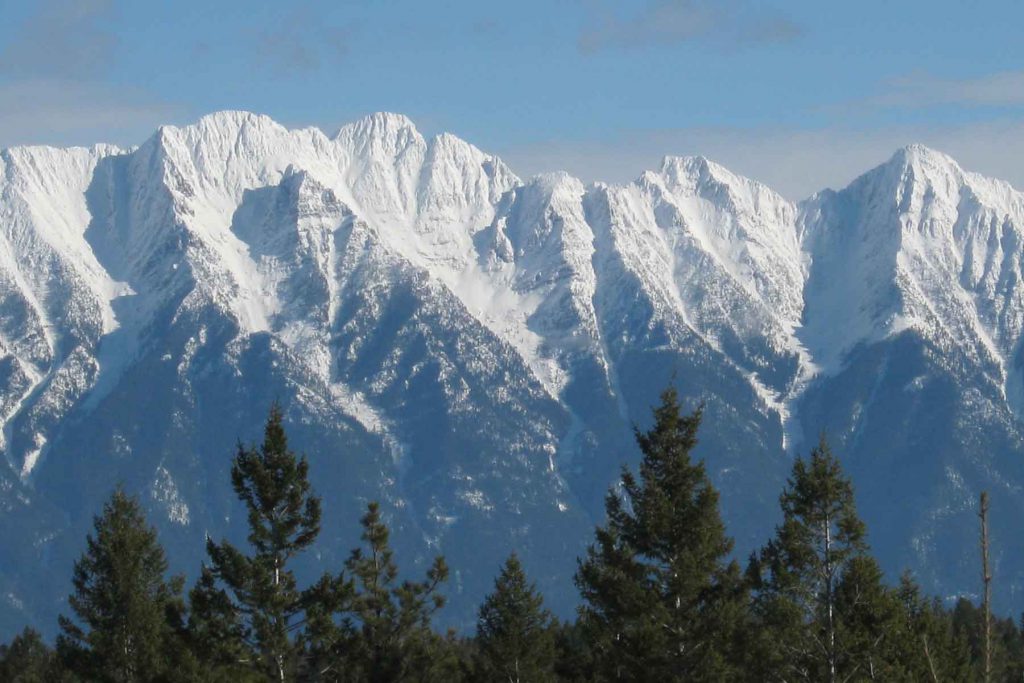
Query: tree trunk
[[986, 577], [829, 601], [931, 662]]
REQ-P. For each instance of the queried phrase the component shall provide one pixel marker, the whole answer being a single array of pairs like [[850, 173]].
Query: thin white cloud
[[796, 163]]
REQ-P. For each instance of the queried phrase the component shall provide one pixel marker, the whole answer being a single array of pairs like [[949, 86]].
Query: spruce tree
[[661, 601], [515, 635], [868, 624], [968, 622], [929, 647], [28, 660], [248, 606], [574, 654], [806, 578], [392, 637], [129, 615]]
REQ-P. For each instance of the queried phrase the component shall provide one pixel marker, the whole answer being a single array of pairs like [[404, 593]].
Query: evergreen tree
[[929, 647], [330, 633], [28, 660], [574, 656], [216, 632], [660, 600], [246, 607], [869, 623], [514, 635], [392, 637], [968, 623], [129, 616], [818, 596], [1010, 643]]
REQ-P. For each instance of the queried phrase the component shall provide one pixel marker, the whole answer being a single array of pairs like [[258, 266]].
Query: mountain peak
[[233, 118], [414, 305], [693, 170], [379, 124], [224, 124], [690, 165], [919, 155], [700, 176], [913, 171]]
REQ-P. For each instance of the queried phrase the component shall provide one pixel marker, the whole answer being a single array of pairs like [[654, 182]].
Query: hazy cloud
[[64, 113], [301, 42], [794, 162], [669, 22], [924, 90], [64, 39]]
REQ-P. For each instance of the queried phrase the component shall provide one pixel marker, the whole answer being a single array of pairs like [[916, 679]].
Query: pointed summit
[[223, 127], [918, 154], [685, 169], [233, 118], [921, 162], [380, 126]]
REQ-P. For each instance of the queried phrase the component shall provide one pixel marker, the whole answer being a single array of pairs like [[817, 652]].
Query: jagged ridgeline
[[472, 349]]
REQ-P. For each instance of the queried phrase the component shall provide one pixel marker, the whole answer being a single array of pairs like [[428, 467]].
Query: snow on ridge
[[917, 244], [910, 242]]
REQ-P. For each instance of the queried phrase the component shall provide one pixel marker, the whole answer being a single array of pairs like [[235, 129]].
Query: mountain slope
[[473, 349]]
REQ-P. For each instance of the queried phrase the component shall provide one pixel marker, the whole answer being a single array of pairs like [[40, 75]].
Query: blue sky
[[798, 94]]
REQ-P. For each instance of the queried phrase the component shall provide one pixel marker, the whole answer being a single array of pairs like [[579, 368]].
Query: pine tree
[[814, 627], [660, 600], [330, 633], [28, 660], [515, 634], [129, 616], [248, 606], [393, 640], [217, 634]]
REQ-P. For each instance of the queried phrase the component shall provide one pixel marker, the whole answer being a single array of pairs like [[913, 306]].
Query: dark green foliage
[[928, 645], [129, 616], [823, 612], [574, 655], [1008, 642], [330, 633], [868, 623], [391, 639], [246, 607], [216, 634], [29, 660], [514, 637], [661, 602], [373, 627]]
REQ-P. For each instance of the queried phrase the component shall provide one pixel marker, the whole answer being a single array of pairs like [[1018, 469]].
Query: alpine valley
[[473, 349]]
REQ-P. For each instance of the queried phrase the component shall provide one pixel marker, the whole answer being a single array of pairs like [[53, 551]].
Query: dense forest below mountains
[[661, 598]]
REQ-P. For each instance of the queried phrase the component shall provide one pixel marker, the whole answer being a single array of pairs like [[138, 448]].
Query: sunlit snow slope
[[473, 349]]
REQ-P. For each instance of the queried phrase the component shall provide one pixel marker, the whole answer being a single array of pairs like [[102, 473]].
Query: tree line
[[661, 600]]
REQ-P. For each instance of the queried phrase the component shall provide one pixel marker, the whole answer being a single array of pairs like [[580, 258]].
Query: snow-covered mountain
[[473, 349]]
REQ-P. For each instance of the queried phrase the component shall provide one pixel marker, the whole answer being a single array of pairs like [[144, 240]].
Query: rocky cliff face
[[473, 349]]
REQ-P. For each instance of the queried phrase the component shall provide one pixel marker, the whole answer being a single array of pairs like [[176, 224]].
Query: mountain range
[[474, 349]]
